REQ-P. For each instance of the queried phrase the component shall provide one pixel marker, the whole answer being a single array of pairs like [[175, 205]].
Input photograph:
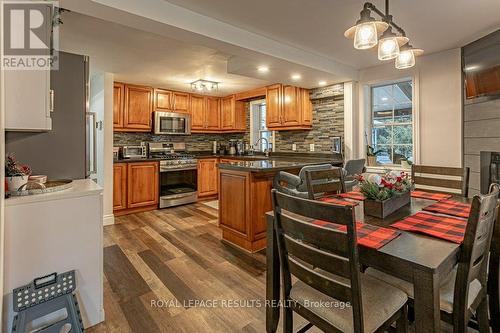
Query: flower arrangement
[[381, 188], [13, 168]]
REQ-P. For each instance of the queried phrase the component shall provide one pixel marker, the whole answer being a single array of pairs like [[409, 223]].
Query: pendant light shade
[[388, 46], [406, 57], [365, 32]]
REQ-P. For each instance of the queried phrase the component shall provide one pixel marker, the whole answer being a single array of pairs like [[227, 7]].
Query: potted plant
[[385, 194], [16, 174]]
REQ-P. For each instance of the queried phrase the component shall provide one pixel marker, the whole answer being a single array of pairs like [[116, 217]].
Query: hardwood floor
[[158, 264]]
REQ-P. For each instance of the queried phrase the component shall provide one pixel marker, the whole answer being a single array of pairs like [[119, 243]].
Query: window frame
[[414, 122], [252, 138]]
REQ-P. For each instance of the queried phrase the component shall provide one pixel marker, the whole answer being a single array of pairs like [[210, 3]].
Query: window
[[392, 122], [258, 127]]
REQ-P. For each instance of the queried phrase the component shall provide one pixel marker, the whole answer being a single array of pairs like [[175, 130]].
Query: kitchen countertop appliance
[[134, 151], [178, 173]]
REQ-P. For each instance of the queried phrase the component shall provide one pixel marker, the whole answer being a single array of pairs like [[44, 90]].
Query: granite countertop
[[274, 164]]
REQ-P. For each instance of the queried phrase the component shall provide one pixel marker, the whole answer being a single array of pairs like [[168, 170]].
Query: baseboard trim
[[108, 219]]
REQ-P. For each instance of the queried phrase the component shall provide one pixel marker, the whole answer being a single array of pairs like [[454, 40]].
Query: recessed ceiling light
[[296, 77], [471, 68], [322, 83], [263, 69]]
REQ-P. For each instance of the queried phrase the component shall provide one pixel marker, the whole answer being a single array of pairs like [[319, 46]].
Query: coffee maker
[[233, 147]]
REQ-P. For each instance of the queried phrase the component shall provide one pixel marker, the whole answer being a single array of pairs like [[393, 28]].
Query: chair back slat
[[472, 264], [327, 239], [318, 258], [318, 281], [442, 179], [325, 182], [303, 245]]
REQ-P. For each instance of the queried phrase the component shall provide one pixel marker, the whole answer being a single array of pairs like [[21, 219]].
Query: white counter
[[56, 232]]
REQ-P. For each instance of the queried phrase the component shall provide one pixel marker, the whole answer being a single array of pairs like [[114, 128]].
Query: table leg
[[427, 310], [272, 279], [494, 290]]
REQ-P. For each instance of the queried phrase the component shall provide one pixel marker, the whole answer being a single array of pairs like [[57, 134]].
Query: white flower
[[375, 179]]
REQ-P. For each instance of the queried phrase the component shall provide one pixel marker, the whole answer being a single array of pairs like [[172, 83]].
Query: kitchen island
[[245, 195]]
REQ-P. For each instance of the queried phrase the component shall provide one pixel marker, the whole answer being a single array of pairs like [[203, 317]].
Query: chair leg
[[287, 319], [482, 316], [402, 322]]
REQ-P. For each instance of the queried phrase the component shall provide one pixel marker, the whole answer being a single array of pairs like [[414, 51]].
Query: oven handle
[[163, 169]]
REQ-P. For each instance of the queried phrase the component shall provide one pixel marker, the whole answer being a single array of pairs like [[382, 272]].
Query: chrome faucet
[[266, 151]]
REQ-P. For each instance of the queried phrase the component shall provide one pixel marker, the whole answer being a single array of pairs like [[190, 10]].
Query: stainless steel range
[[178, 173]]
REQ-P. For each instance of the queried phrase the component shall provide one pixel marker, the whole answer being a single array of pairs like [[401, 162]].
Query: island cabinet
[[135, 187], [288, 108], [244, 198], [132, 108], [207, 177]]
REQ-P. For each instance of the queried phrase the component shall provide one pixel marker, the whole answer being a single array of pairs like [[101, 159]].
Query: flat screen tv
[[481, 68]]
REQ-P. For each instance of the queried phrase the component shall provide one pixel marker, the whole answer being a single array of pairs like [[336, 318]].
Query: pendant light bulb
[[365, 36], [405, 59], [388, 46]]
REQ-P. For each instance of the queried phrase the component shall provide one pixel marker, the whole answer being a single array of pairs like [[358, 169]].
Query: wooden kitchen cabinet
[[288, 108], [142, 184], [197, 113], [207, 177], [119, 186], [233, 116], [212, 113], [180, 101], [163, 100], [132, 108]]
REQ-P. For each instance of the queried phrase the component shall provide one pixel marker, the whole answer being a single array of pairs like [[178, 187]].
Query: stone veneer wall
[[328, 121]]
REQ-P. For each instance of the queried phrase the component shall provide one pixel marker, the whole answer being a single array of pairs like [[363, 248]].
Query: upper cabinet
[[171, 101], [233, 115], [213, 114], [288, 108], [132, 113]]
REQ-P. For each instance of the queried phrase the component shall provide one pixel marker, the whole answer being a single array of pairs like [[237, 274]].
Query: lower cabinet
[[207, 177], [135, 187]]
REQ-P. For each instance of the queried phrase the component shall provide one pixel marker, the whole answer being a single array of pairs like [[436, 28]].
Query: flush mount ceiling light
[[296, 77], [322, 83], [366, 34], [204, 86], [263, 69]]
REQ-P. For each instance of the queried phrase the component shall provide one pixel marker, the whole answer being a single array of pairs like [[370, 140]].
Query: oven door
[[178, 186], [172, 123]]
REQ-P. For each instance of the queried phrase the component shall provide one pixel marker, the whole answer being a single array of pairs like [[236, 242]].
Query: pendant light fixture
[[406, 57], [390, 44]]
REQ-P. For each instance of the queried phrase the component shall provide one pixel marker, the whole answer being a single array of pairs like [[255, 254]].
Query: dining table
[[422, 260]]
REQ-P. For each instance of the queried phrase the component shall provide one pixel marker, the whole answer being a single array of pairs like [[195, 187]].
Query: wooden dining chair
[[464, 292], [441, 179], [321, 183], [331, 292]]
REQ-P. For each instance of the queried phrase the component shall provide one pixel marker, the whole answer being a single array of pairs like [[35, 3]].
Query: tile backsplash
[[328, 122]]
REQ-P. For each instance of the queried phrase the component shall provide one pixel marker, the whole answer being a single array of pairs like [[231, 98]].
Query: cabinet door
[[306, 107], [142, 184], [119, 186], [212, 113], [240, 116], [118, 95], [197, 112], [207, 177], [181, 101], [273, 105], [291, 112], [138, 108], [227, 113], [163, 100]]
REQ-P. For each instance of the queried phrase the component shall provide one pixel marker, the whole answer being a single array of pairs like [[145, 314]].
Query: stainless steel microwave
[[172, 123]]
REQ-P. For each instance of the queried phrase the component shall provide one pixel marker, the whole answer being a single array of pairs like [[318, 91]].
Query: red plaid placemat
[[355, 195], [337, 201], [430, 195], [448, 228], [450, 207], [368, 235]]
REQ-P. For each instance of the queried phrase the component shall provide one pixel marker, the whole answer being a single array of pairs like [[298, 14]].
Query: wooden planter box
[[381, 209]]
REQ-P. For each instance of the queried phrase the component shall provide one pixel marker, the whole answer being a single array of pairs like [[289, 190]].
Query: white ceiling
[[318, 25], [140, 57]]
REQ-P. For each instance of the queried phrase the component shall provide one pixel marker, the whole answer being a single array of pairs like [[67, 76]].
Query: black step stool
[[47, 305]]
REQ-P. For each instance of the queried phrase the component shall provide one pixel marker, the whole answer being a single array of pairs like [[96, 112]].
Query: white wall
[[101, 102], [437, 103]]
